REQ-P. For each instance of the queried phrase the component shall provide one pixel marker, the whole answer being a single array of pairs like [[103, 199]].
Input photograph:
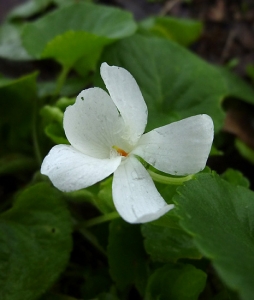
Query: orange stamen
[[120, 151]]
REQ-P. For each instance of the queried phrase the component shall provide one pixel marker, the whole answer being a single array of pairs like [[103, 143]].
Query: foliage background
[[188, 57]]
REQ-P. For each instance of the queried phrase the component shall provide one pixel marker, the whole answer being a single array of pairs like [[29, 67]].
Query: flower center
[[120, 151]]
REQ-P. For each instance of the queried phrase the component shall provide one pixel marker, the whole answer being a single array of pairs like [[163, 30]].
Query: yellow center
[[120, 151]]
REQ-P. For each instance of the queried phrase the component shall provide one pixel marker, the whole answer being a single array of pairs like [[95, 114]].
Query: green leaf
[[10, 43], [53, 118], [235, 177], [237, 88], [52, 113], [51, 296], [29, 9], [35, 243], [244, 150], [182, 31], [56, 133], [64, 102], [72, 87], [107, 296], [126, 255], [17, 100], [167, 243], [96, 282], [15, 163], [71, 46], [220, 217], [176, 282], [167, 191], [104, 201], [99, 20], [250, 71], [61, 3], [173, 81], [214, 151]]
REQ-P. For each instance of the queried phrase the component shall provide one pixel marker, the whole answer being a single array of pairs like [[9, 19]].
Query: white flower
[[106, 135]]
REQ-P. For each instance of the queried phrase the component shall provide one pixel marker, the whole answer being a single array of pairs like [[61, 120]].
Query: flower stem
[[101, 219], [82, 228], [36, 145], [169, 180], [61, 80], [93, 240], [89, 236]]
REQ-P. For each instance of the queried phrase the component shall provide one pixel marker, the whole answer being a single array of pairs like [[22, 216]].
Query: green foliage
[[29, 9], [182, 86], [166, 241], [53, 117], [127, 262], [104, 202], [56, 133], [244, 150], [16, 96], [96, 283], [237, 88], [15, 163], [182, 31], [10, 43], [236, 178], [220, 217], [176, 282], [69, 47], [35, 243], [205, 245], [250, 71], [101, 21]]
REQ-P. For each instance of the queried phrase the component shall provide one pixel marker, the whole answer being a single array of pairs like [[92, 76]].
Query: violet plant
[[106, 136], [125, 122]]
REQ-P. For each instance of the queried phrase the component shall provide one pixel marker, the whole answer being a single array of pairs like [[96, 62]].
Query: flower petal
[[135, 195], [71, 170], [93, 124], [179, 148], [127, 96]]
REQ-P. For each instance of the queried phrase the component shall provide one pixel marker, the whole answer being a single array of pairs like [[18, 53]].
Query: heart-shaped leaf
[[220, 217], [107, 22], [35, 243], [175, 83]]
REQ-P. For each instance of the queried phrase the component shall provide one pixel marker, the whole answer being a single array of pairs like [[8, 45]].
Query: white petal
[[127, 96], [71, 170], [93, 124], [135, 195], [179, 148]]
